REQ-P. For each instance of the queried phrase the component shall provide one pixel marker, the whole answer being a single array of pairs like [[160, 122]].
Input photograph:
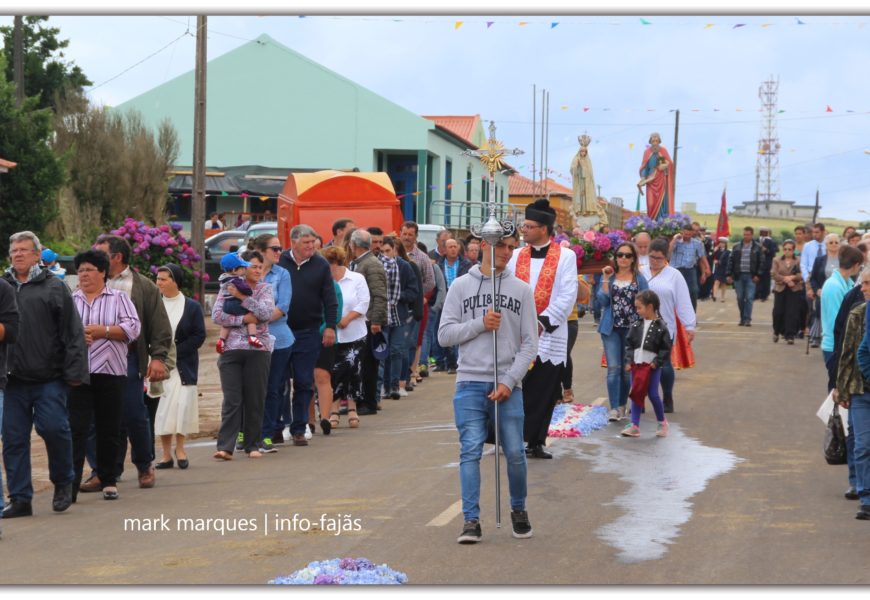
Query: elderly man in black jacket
[[41, 367], [744, 271]]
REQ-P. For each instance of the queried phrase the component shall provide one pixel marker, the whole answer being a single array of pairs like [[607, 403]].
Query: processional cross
[[492, 232]]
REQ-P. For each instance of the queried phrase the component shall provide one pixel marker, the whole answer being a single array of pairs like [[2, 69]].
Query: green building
[[271, 111]]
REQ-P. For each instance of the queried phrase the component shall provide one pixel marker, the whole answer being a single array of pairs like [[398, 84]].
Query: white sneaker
[[623, 413], [308, 434], [402, 392], [614, 415]]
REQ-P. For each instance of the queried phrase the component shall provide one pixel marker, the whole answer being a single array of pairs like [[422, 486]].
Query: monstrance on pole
[[492, 232]]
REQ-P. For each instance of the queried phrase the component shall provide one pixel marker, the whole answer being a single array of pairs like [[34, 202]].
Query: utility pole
[[18, 59], [676, 149], [534, 150], [816, 209], [197, 212]]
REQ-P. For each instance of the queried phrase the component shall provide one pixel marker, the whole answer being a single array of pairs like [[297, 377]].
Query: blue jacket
[[189, 337], [605, 326]]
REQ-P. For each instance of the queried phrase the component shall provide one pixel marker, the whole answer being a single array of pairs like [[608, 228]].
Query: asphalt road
[[739, 493]]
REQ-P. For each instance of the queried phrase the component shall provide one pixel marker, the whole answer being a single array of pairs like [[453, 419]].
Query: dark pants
[[568, 371], [275, 398], [244, 374], [151, 406], [762, 288], [99, 404], [370, 366], [705, 290], [40, 405], [669, 377], [744, 287], [303, 357], [787, 312], [690, 274], [541, 391], [134, 422]]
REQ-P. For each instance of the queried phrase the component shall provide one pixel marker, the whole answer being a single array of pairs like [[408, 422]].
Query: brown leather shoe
[[147, 478], [91, 485], [299, 439]]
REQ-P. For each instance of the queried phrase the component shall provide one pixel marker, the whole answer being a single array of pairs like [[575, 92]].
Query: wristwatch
[[107, 332]]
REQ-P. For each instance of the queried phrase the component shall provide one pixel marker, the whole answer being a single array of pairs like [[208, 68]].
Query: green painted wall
[[268, 105], [442, 150]]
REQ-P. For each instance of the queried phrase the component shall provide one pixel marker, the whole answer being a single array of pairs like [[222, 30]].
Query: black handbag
[[835, 439]]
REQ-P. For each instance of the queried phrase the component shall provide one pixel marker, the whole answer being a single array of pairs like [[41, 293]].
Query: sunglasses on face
[[275, 248], [624, 255]]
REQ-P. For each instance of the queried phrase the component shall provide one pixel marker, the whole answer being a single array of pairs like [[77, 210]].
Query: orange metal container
[[321, 198]]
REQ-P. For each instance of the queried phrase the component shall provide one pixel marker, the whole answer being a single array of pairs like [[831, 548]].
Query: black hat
[[541, 212], [176, 273]]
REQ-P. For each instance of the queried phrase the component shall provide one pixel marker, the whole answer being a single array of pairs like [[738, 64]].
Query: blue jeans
[[303, 357], [40, 405], [135, 423], [431, 347], [396, 339], [690, 274], [273, 408], [859, 418], [618, 384], [473, 411], [745, 289], [850, 452]]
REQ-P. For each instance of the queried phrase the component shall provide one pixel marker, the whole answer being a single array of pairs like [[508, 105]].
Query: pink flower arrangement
[[154, 247], [590, 245]]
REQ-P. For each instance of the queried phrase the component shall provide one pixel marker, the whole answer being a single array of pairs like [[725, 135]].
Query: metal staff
[[492, 232]]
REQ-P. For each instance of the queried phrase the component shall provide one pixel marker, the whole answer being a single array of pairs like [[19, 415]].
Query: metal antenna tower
[[767, 167]]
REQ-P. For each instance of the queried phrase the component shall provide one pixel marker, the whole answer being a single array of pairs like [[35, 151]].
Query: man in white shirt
[[551, 271]]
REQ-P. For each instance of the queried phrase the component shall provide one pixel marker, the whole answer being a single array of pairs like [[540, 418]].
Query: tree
[[47, 75], [28, 193], [116, 168]]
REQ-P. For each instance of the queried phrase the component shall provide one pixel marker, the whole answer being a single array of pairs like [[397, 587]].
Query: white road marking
[[452, 511]]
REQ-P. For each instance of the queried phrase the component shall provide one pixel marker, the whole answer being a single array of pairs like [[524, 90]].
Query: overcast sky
[[616, 78]]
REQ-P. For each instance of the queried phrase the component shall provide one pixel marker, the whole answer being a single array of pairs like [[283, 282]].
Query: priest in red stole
[[551, 272], [657, 174]]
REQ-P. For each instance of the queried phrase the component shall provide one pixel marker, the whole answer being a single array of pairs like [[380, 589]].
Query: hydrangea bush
[[666, 227], [343, 571], [159, 245]]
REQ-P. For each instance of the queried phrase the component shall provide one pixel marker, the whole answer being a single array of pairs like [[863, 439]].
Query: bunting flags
[[458, 24], [723, 229]]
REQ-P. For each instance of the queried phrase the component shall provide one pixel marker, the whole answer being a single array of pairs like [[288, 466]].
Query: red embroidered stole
[[547, 277]]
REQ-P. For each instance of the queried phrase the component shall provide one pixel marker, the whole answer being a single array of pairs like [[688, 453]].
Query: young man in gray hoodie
[[468, 321]]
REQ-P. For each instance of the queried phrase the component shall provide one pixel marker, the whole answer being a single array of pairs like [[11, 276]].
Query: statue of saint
[[585, 196], [657, 174]]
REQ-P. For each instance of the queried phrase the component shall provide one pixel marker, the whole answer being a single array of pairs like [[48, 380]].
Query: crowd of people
[[339, 328]]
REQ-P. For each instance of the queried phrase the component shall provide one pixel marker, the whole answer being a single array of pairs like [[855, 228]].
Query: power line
[[133, 66]]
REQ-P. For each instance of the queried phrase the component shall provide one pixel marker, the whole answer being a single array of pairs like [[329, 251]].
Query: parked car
[[220, 243], [229, 241]]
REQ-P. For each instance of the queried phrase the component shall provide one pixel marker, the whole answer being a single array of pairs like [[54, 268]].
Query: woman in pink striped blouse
[[110, 323]]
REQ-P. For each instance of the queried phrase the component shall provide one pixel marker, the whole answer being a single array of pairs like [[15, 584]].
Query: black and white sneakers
[[521, 525], [471, 533]]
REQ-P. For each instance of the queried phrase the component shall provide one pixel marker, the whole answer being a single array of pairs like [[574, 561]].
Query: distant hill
[[780, 228]]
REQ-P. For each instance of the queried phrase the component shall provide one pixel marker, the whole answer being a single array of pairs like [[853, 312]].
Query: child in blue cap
[[234, 274]]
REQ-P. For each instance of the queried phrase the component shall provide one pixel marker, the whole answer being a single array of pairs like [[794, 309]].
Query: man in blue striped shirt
[[686, 253]]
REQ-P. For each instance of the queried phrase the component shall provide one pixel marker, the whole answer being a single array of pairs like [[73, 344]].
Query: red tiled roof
[[523, 186], [462, 127], [8, 164]]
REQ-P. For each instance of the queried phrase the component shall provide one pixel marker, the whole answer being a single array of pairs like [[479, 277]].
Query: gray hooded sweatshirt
[[467, 301]]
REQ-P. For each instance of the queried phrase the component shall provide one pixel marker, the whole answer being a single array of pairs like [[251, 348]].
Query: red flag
[[722, 227]]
